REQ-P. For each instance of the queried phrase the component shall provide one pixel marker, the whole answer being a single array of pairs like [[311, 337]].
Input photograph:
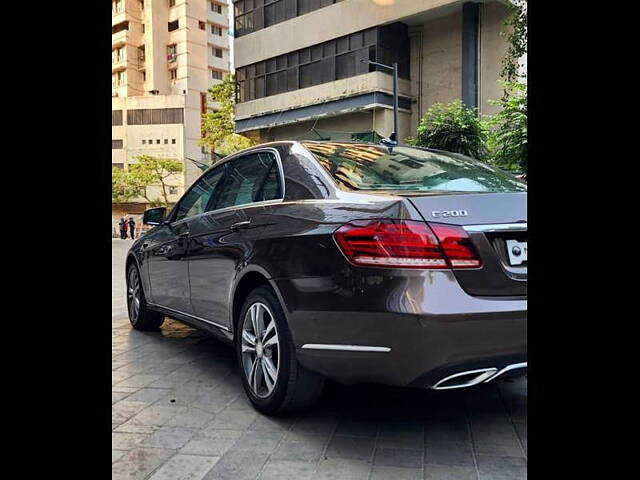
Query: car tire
[[272, 378], [140, 316]]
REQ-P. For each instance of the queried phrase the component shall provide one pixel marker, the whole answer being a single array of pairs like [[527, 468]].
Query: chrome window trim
[[497, 227], [218, 325], [235, 207], [344, 348]]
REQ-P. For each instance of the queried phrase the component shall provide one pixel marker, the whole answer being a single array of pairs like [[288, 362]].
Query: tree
[[453, 128], [508, 137], [516, 36], [218, 128], [146, 172]]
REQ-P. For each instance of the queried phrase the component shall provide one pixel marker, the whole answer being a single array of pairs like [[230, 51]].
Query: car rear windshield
[[377, 167]]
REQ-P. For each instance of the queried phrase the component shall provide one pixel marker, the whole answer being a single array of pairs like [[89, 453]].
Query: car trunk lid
[[497, 226]]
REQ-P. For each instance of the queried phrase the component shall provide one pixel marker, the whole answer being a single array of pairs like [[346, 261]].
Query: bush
[[453, 128], [508, 135]]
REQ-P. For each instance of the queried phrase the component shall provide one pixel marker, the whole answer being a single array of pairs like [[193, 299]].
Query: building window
[[150, 142], [173, 74], [172, 53], [166, 141], [118, 165], [173, 25], [333, 60], [142, 27], [158, 141], [172, 3], [217, 52], [116, 144], [116, 117], [144, 142], [117, 55], [173, 141], [218, 8], [155, 116], [118, 79], [120, 27], [216, 74], [116, 6], [202, 25], [173, 190], [252, 15], [216, 30], [144, 76]]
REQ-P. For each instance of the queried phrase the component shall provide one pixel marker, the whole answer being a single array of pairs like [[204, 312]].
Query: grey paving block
[[459, 454], [169, 437], [449, 430], [380, 472], [238, 465], [148, 395], [126, 441], [156, 415], [139, 463], [116, 454], [190, 418], [263, 423], [117, 396], [493, 430], [343, 469], [185, 467], [287, 470], [306, 450], [124, 410], [401, 434], [313, 423], [449, 472], [139, 380], [514, 450], [236, 419], [258, 442], [209, 446], [398, 457], [501, 468], [358, 427], [359, 448]]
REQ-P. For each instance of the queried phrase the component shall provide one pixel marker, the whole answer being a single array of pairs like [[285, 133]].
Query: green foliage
[[453, 128], [516, 36], [218, 128], [146, 172], [233, 143], [508, 134]]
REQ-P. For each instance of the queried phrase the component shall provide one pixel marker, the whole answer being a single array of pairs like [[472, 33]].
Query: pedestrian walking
[[132, 227], [123, 228]]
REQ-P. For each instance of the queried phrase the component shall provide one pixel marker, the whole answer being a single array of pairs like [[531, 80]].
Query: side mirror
[[154, 216]]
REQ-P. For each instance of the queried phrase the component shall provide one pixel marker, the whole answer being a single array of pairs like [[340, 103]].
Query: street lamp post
[[393, 138]]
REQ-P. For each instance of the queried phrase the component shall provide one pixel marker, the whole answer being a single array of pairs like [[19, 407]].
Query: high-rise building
[[165, 55], [301, 71]]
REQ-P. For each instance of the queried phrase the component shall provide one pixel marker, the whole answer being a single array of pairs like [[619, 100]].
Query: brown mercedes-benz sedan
[[356, 262]]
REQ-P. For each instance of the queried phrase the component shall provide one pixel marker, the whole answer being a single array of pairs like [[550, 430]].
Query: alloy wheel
[[260, 349], [133, 293]]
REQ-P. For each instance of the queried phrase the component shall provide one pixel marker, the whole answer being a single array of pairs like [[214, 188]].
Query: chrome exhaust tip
[[465, 379], [508, 368]]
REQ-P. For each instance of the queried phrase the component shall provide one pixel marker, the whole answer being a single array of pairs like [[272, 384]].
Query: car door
[[167, 250], [222, 240]]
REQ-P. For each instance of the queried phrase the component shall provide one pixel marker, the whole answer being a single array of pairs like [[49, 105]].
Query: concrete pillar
[[470, 29]]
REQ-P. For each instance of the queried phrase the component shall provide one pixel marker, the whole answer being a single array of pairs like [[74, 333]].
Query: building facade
[[300, 70], [165, 56]]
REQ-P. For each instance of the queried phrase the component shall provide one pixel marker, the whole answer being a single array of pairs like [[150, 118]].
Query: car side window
[[196, 200], [250, 178]]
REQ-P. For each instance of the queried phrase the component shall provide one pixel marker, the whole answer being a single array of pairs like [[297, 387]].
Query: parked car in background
[[356, 262]]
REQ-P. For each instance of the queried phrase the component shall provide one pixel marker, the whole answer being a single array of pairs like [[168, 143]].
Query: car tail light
[[406, 244]]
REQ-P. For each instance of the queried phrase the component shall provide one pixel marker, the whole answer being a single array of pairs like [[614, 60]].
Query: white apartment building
[[165, 56]]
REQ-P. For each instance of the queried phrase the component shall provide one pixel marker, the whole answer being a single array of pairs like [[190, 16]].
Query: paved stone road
[[179, 413]]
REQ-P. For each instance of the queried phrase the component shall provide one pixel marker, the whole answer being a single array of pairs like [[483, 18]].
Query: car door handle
[[239, 225], [184, 234]]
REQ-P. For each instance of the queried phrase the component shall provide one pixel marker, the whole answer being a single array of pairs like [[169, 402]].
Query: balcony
[[118, 63]]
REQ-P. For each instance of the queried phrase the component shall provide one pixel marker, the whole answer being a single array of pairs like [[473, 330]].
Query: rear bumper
[[412, 328]]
